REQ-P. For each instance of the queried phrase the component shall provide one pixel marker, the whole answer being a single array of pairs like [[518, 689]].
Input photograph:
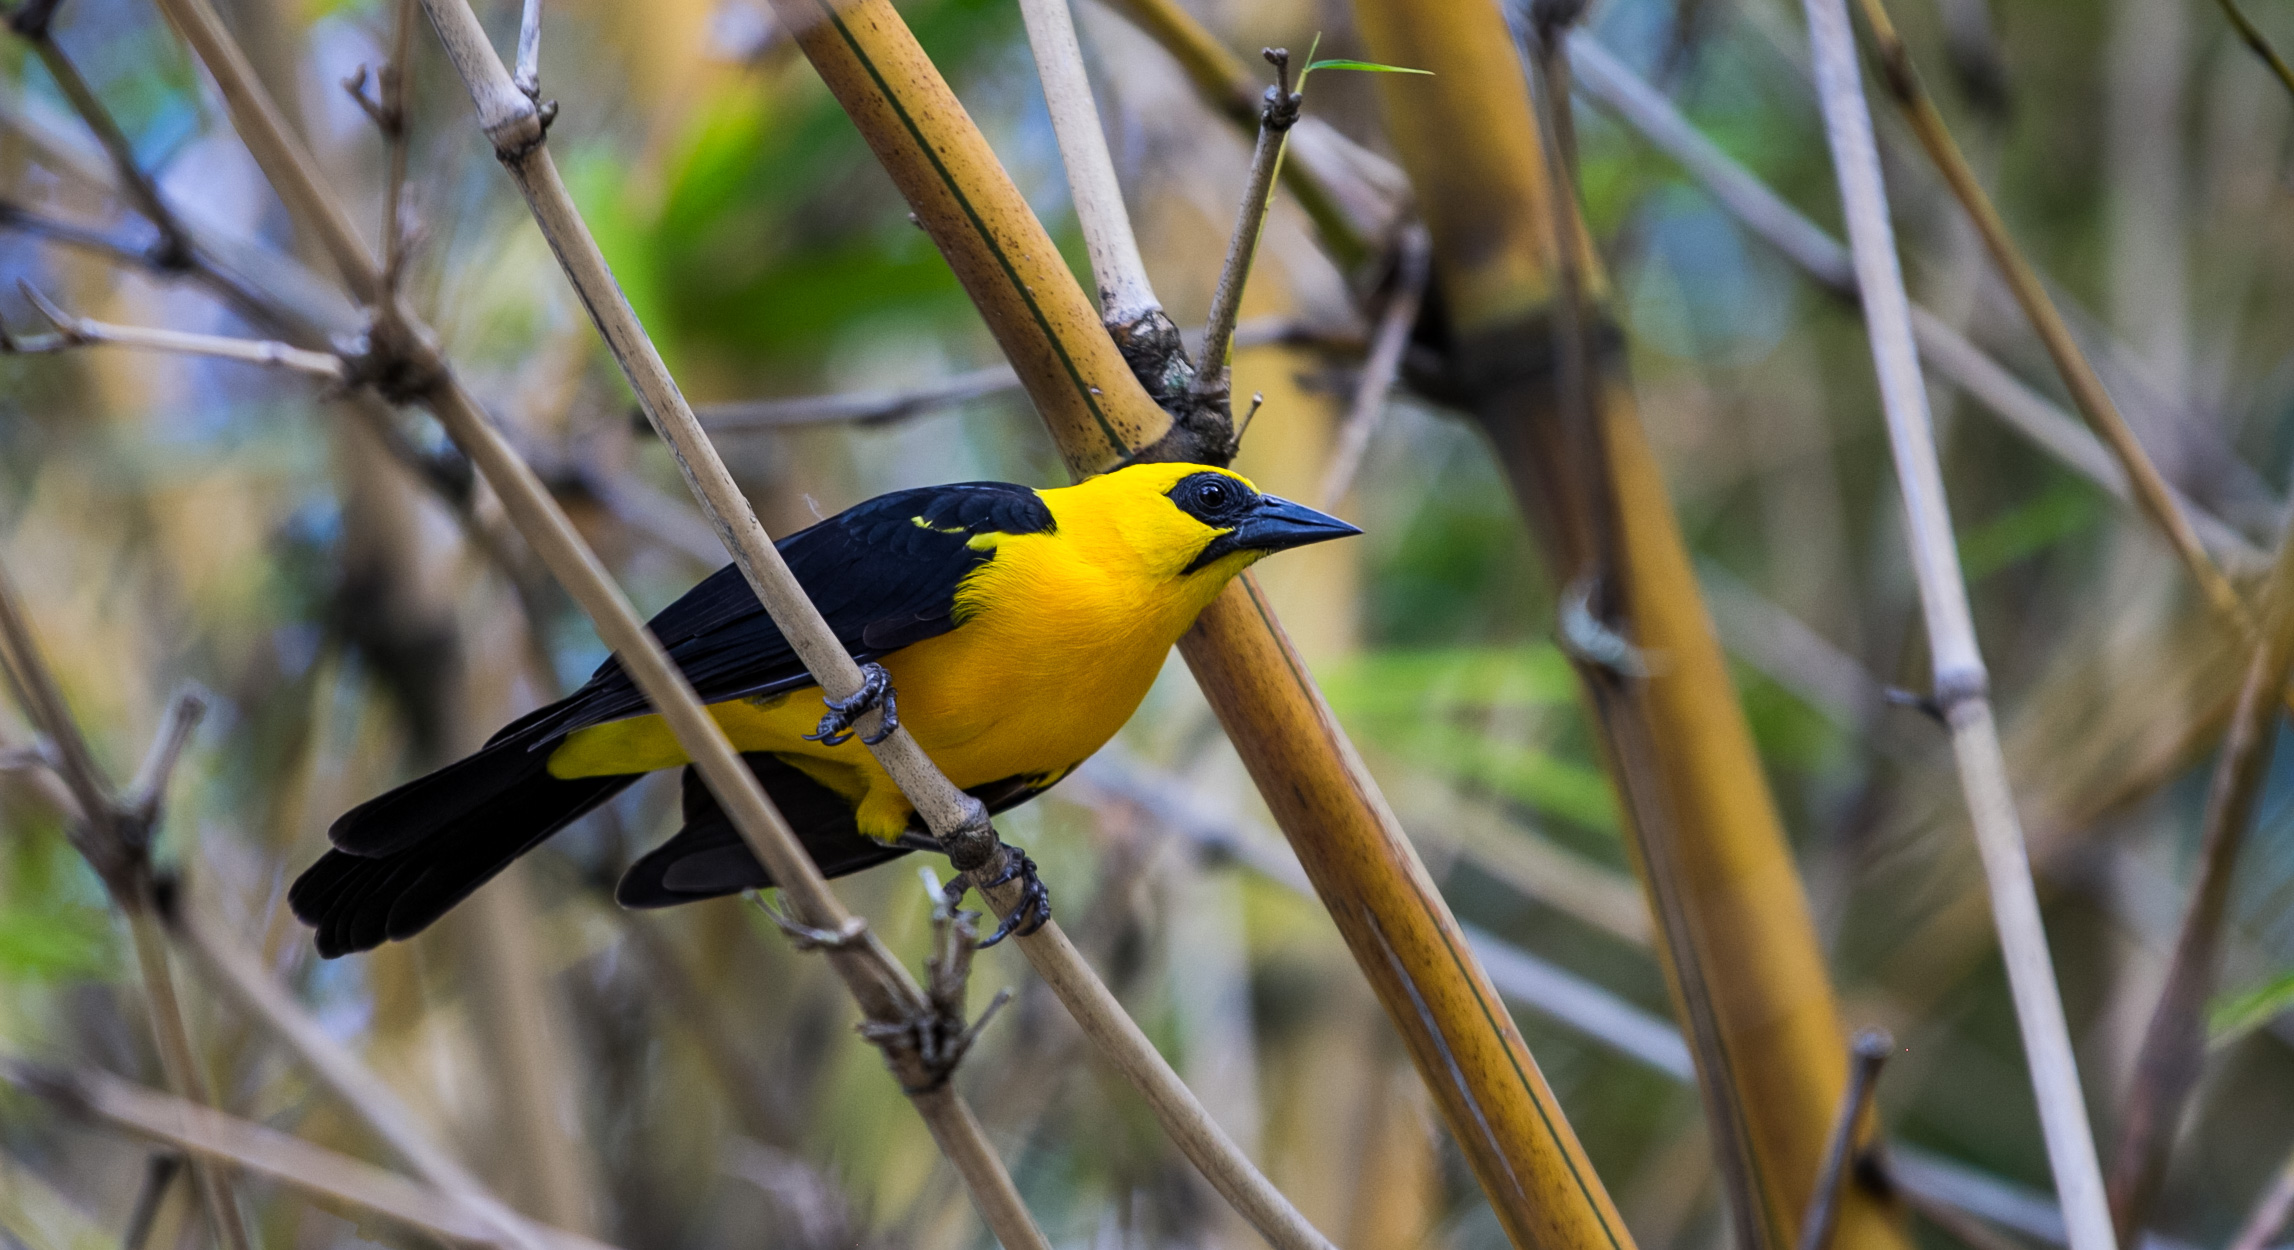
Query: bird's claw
[[1034, 910], [875, 690]]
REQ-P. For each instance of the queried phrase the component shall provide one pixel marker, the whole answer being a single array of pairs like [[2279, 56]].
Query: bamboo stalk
[[1735, 938], [955, 818], [1395, 922], [239, 975], [2173, 1053], [216, 1139], [887, 995], [1124, 293], [1960, 678], [1902, 80], [114, 835], [1611, 84]]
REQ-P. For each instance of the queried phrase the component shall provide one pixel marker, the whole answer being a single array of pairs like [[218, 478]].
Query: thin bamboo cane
[[1902, 80], [1396, 923], [1737, 943], [515, 126], [1960, 678], [882, 987]]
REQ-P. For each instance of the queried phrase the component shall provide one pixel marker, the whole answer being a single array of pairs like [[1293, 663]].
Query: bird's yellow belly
[[991, 700]]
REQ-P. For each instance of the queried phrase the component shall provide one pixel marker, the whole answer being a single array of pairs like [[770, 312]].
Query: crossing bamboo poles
[[1534, 356]]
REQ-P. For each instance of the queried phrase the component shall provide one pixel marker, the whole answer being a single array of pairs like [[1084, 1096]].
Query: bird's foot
[[875, 691], [1034, 910]]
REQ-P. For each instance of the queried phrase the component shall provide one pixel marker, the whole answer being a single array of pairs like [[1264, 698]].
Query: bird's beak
[[1278, 525], [1275, 525]]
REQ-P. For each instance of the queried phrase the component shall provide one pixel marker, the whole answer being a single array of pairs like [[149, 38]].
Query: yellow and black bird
[[1013, 632]]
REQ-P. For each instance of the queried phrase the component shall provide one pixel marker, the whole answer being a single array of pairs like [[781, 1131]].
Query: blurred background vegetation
[[684, 1079]]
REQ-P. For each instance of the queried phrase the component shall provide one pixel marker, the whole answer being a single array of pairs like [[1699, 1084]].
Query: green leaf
[[2232, 1016], [1367, 67]]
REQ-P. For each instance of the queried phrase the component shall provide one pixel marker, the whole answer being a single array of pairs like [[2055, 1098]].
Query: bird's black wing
[[883, 574]]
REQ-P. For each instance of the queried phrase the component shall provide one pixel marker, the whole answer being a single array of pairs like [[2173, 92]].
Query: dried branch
[[956, 819], [1413, 266], [239, 975], [1608, 82], [1902, 81], [2173, 1053], [218, 1139], [2258, 42], [1125, 294], [861, 407], [528, 77], [1960, 678], [74, 331], [1866, 1053], [1276, 117], [415, 368], [173, 251], [115, 838]]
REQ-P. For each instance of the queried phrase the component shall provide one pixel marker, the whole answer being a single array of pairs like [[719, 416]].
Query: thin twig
[[74, 332], [115, 838], [17, 217], [1277, 115], [2269, 1214], [1960, 678], [516, 129], [2259, 42], [1902, 81], [1866, 1053], [860, 407], [243, 978], [887, 995], [215, 1138], [173, 249], [1125, 295], [2174, 1044], [1608, 82], [528, 77], [159, 1173], [1413, 265]]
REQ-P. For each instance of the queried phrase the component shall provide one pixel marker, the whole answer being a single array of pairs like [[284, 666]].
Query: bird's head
[[1190, 522]]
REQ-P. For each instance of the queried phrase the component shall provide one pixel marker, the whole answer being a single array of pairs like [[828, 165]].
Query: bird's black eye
[[1212, 498]]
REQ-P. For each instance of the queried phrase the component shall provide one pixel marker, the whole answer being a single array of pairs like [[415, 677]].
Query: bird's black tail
[[402, 859]]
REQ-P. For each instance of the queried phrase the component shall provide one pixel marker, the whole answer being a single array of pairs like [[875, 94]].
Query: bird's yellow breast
[[1058, 638]]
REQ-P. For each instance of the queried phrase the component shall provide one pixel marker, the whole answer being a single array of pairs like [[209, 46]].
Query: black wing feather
[[884, 574]]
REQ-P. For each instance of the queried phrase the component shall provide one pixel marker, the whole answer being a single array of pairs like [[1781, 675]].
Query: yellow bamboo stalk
[[1748, 979], [1399, 929]]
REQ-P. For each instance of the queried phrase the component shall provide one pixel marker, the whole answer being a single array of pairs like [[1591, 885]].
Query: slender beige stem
[[1414, 261], [215, 1139], [1903, 84], [513, 125], [1275, 121], [1960, 678], [174, 249], [72, 331], [528, 77], [862, 407], [263, 128], [116, 839], [239, 975], [1125, 295], [884, 990], [1609, 83], [2259, 43]]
